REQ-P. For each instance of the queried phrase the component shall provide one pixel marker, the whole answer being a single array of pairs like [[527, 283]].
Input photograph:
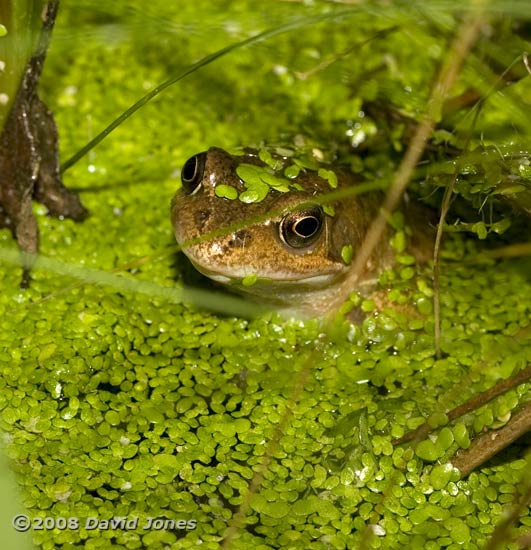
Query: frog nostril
[[201, 217], [240, 238]]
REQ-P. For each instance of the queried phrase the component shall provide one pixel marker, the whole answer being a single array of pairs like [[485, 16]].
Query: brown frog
[[243, 223]]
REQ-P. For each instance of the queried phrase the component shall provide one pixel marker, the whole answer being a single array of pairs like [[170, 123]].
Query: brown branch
[[492, 442], [473, 403], [510, 251], [34, 68]]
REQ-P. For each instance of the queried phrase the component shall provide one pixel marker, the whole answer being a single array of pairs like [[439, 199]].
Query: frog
[[288, 247]]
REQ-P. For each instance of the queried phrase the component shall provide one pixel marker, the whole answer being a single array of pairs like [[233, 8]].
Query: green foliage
[[120, 400]]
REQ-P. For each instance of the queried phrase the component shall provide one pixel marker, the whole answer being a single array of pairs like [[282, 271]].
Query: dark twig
[[34, 69], [492, 442], [473, 403]]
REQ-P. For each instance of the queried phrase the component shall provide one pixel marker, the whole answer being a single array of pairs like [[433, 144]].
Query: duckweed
[[118, 404], [249, 280], [274, 163], [329, 210], [428, 450], [347, 254], [292, 171], [258, 182], [226, 191], [329, 175]]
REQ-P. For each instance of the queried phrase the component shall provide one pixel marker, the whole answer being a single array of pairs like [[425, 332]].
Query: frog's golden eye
[[192, 173], [301, 229]]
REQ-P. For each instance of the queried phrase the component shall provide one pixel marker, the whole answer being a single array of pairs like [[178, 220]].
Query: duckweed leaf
[[428, 450], [292, 171], [347, 253], [279, 184], [226, 191], [250, 174], [258, 181], [329, 175], [249, 280], [255, 192], [306, 162], [329, 210], [274, 163]]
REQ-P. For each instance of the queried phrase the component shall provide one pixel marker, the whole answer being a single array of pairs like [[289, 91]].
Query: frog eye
[[192, 173], [302, 228]]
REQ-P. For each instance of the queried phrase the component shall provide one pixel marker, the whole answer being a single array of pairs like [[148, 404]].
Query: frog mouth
[[234, 277]]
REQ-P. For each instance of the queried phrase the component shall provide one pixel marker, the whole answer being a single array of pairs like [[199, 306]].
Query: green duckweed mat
[[133, 420]]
